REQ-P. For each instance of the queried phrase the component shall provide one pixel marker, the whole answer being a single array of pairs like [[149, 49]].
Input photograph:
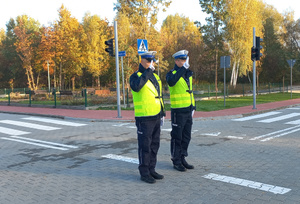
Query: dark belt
[[189, 91]]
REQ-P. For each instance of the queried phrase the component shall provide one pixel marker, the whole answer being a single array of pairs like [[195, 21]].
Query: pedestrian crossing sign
[[142, 46]]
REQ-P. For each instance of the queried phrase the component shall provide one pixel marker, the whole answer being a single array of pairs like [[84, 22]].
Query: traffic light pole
[[117, 70], [254, 73]]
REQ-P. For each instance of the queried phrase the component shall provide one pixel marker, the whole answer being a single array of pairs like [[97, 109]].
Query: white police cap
[[182, 54], [150, 54]]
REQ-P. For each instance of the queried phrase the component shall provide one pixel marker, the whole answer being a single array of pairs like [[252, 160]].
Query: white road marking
[[131, 127], [122, 124], [273, 133], [295, 122], [45, 142], [121, 158], [283, 117], [59, 122], [33, 143], [167, 130], [235, 137], [280, 135], [294, 108], [215, 134], [9, 131], [29, 125], [256, 116], [248, 183]]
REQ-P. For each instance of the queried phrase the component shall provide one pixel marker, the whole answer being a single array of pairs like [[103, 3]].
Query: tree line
[[74, 52]]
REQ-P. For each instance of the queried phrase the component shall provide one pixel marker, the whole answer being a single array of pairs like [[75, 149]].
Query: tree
[[178, 33], [140, 18], [26, 32], [274, 62], [96, 31], [213, 30], [68, 48], [242, 17]]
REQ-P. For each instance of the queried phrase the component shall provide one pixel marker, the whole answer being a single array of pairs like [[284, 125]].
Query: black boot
[[148, 179], [185, 164], [179, 167], [156, 175]]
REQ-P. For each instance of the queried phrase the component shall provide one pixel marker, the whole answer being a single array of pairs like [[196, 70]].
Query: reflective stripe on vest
[[179, 93], [146, 101]]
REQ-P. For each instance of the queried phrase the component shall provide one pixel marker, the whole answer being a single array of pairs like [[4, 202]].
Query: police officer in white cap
[[149, 111], [183, 106]]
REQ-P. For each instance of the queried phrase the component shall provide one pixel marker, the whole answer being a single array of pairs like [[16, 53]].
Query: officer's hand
[[193, 113], [186, 64], [151, 66]]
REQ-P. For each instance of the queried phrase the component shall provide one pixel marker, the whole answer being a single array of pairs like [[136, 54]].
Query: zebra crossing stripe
[[58, 122], [283, 117], [9, 131], [248, 183], [257, 116], [29, 125], [295, 122]]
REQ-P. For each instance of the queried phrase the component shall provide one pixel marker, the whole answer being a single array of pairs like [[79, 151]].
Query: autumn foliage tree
[[26, 36]]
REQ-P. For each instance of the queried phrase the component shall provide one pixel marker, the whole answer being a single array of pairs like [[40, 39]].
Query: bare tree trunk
[[29, 81], [54, 77], [32, 78], [233, 73], [60, 75], [99, 86], [283, 83], [38, 79], [73, 83]]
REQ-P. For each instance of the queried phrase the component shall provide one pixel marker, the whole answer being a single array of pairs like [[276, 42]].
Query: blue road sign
[[122, 53], [142, 46], [225, 62], [291, 62]]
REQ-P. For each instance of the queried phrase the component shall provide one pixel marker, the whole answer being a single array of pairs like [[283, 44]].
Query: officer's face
[[145, 63], [180, 62]]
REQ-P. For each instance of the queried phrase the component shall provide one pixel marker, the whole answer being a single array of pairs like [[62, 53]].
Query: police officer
[[182, 100], [149, 111]]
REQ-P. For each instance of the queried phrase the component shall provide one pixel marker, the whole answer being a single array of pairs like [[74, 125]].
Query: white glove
[[193, 113], [186, 64], [151, 66]]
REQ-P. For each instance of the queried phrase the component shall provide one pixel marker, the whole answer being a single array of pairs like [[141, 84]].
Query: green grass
[[233, 102]]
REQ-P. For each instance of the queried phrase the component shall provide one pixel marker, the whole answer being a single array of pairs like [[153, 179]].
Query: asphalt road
[[243, 160]]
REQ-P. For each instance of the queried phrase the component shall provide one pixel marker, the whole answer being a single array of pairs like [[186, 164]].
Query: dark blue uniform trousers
[[148, 144], [180, 135]]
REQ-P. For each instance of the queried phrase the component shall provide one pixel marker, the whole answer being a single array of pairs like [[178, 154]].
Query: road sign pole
[[117, 70], [224, 82], [254, 73], [291, 79]]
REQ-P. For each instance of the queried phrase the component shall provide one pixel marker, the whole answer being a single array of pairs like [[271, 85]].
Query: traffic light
[[258, 47], [253, 53], [110, 48]]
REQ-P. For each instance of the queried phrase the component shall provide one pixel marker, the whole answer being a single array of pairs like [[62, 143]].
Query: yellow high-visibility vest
[[146, 101], [181, 96]]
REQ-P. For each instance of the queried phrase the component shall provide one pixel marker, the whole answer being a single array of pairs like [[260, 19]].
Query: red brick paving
[[129, 115]]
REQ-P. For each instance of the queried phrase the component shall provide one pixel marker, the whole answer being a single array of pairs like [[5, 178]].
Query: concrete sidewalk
[[112, 115]]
